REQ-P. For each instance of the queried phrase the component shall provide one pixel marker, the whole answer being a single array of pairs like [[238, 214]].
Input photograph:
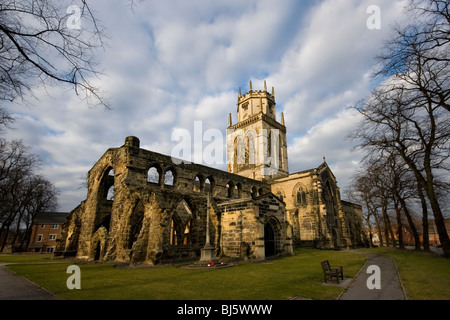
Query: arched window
[[187, 234], [238, 188], [169, 178], [153, 175], [209, 185], [254, 192], [250, 147], [301, 198], [198, 184], [247, 153], [230, 187], [239, 152], [173, 233], [300, 195]]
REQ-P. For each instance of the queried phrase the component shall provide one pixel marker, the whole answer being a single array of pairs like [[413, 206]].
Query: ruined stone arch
[[106, 179], [181, 223], [104, 203], [135, 221], [98, 244]]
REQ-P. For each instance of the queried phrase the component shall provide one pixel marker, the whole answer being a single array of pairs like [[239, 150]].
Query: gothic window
[[300, 197], [239, 152], [173, 234], [254, 192], [230, 187], [239, 190], [198, 185], [280, 148], [209, 185], [269, 143], [187, 234], [247, 154], [250, 150], [153, 175], [169, 178]]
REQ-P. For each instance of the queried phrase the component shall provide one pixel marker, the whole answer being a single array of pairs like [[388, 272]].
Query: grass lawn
[[278, 279], [424, 276]]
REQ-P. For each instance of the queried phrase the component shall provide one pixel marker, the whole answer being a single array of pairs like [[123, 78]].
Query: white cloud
[[171, 63]]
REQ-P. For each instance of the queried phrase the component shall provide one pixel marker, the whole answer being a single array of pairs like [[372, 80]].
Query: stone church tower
[[256, 144]]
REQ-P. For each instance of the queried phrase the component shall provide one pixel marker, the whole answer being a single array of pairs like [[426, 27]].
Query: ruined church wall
[[105, 230]]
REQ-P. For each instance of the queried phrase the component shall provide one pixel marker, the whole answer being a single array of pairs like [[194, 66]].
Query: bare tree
[[46, 42], [23, 193], [397, 119], [419, 52]]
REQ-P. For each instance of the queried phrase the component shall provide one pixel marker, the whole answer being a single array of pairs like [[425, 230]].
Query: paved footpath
[[391, 287], [14, 287]]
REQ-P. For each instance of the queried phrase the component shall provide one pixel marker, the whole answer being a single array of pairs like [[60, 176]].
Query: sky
[[170, 64]]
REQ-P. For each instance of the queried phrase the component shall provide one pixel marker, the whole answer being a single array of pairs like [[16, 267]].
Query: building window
[[42, 226], [40, 237], [230, 187], [52, 237], [169, 178], [153, 175], [50, 249], [300, 197], [198, 184], [54, 226]]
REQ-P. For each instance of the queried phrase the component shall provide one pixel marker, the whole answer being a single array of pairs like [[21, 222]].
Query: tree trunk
[[411, 225], [425, 231], [399, 227], [440, 225], [380, 235]]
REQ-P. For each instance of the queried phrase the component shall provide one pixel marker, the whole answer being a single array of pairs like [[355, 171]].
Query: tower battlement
[[256, 94], [256, 102]]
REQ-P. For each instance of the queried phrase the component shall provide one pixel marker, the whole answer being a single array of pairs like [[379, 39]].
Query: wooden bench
[[332, 273]]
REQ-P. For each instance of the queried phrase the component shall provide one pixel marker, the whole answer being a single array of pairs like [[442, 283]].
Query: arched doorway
[[269, 240], [98, 250]]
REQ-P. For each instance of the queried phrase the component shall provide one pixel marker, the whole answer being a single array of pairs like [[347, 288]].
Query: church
[[142, 207]]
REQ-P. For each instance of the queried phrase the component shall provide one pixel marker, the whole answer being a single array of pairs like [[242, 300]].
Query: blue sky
[[171, 63]]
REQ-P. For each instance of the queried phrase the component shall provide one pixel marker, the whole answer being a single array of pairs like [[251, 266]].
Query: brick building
[[46, 231]]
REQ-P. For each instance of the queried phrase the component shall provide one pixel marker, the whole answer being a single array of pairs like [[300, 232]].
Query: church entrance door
[[269, 240]]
